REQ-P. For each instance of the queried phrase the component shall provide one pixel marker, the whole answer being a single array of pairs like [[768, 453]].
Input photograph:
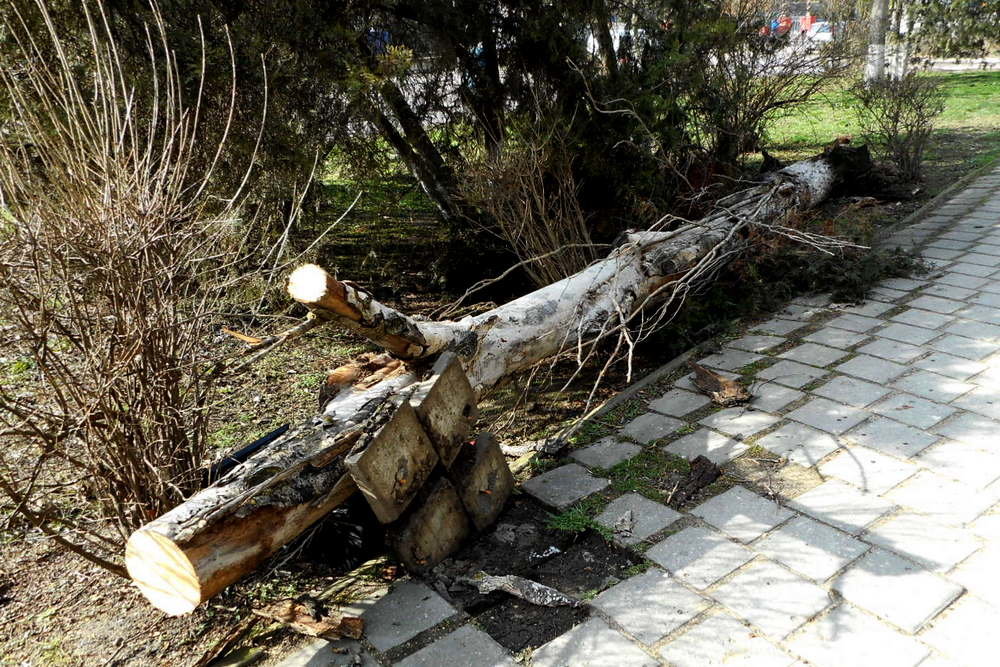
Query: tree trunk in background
[[605, 42], [875, 64]]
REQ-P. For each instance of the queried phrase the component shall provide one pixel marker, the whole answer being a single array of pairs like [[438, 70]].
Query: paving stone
[[741, 513], [739, 421], [316, 652], [974, 465], [406, 611], [934, 495], [977, 330], [978, 258], [904, 284], [966, 633], [591, 644], [936, 544], [828, 415], [989, 377], [778, 327], [648, 517], [867, 469], [771, 397], [772, 598], [912, 410], [890, 437], [841, 506], [940, 253], [812, 549], [846, 636], [905, 333], [813, 354], [678, 402], [851, 391], [467, 645], [819, 300], [981, 400], [687, 382], [971, 429], [958, 368], [855, 323], [714, 446], [720, 641], [949, 292], [948, 244], [729, 359], [838, 338], [868, 309], [892, 350], [936, 304], [871, 368], [605, 453], [795, 311], [987, 297], [896, 590], [978, 574], [650, 605], [563, 486], [887, 294], [698, 556], [922, 318], [650, 426], [987, 526], [977, 270], [963, 347], [799, 444], [756, 343], [980, 313], [933, 386], [791, 373]]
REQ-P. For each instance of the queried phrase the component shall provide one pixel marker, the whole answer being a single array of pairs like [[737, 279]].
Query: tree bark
[[228, 529], [875, 63]]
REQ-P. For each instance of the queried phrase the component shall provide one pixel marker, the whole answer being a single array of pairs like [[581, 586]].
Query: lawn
[[967, 134]]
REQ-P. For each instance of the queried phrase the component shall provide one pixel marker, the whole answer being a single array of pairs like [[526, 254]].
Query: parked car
[[821, 31]]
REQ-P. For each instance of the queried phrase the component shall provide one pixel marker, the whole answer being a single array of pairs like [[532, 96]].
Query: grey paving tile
[[605, 453], [931, 494], [678, 402], [316, 652], [851, 391], [739, 421], [772, 598], [841, 506], [846, 636], [892, 350], [868, 470], [871, 368], [963, 347], [896, 590], [716, 447], [686, 382], [905, 284], [867, 309], [961, 280], [959, 368], [591, 644], [407, 610], [812, 549], [922, 318], [729, 359], [905, 333], [799, 444], [756, 343], [741, 514], [650, 605], [890, 437], [791, 373], [977, 330], [979, 258], [827, 415], [949, 244], [980, 313], [813, 354], [981, 400], [832, 337], [977, 270], [698, 556], [795, 311], [721, 640], [940, 253], [978, 574], [887, 294], [974, 465], [650, 426], [647, 518], [936, 304], [771, 397], [563, 486], [934, 543], [988, 297], [912, 410], [970, 428], [856, 323], [466, 645], [777, 327], [967, 633], [933, 386], [948, 292]]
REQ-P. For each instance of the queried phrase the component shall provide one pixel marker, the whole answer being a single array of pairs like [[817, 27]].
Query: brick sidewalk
[[887, 555]]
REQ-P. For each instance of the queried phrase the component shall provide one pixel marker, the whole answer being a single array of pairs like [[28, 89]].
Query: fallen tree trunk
[[225, 531]]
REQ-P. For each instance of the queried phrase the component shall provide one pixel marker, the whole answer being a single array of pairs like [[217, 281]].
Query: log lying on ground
[[225, 531]]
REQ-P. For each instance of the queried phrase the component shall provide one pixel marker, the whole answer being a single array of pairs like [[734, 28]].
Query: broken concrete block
[[482, 479], [432, 529], [391, 466], [446, 406]]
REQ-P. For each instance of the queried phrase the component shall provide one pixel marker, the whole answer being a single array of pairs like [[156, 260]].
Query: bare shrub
[[530, 192], [112, 256], [897, 117]]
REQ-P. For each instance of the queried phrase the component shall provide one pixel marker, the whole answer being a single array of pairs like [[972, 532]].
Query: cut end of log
[[163, 574], [308, 284]]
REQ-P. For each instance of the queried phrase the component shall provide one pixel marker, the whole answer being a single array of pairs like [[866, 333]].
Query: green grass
[[580, 517], [648, 474]]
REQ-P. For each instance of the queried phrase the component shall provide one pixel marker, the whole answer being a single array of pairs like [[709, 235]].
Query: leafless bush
[[897, 115], [530, 192], [112, 255]]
